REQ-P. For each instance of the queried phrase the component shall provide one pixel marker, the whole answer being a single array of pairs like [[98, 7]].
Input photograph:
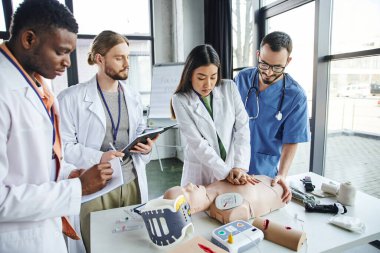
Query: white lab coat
[[202, 162], [30, 203], [83, 127]]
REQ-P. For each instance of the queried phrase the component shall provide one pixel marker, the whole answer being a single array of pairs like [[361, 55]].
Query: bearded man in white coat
[[99, 118]]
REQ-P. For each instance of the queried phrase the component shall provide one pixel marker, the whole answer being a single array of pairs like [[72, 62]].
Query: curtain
[[218, 31]]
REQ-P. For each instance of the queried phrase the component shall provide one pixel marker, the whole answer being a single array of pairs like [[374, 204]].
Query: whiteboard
[[165, 79]]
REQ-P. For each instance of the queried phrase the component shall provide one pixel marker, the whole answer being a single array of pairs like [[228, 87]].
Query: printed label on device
[[228, 200]]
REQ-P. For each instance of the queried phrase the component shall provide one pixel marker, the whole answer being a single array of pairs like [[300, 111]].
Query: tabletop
[[321, 236]]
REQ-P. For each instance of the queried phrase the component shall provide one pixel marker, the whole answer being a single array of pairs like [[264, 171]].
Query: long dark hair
[[202, 55]]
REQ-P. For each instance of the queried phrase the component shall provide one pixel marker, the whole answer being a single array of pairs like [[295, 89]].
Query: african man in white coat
[[32, 200]]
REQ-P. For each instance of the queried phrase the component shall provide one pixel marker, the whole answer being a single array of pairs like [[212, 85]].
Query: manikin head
[[196, 196]]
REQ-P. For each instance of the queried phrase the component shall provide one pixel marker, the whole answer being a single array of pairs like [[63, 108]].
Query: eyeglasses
[[265, 66]]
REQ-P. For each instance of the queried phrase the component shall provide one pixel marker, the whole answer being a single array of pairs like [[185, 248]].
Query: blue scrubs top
[[267, 133]]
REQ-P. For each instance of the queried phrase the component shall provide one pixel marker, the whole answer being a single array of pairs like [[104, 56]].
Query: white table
[[321, 236]]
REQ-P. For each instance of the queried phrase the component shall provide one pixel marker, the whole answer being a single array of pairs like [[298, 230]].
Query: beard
[[268, 80], [117, 75]]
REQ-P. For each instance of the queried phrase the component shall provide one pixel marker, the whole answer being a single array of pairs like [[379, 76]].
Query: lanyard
[[51, 114], [114, 129]]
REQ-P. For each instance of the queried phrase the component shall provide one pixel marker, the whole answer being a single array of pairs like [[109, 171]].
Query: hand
[[95, 178], [76, 173], [109, 155], [287, 195], [144, 148], [239, 176]]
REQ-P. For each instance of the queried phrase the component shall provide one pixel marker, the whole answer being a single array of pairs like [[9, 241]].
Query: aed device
[[237, 236]]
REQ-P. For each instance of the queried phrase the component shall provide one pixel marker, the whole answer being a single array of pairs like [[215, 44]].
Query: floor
[[349, 158], [159, 181]]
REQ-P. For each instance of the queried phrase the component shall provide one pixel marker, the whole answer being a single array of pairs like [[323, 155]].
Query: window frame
[[72, 72], [321, 66]]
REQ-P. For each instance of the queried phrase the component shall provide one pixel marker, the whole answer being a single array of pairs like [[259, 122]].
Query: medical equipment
[[283, 235], [309, 187], [347, 194], [132, 221], [228, 200], [330, 187], [278, 115], [347, 222], [302, 197], [167, 221], [237, 236], [335, 208]]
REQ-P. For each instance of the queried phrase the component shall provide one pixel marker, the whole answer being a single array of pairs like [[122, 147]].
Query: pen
[[121, 160]]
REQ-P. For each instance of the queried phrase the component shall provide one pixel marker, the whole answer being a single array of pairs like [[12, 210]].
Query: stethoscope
[[278, 115]]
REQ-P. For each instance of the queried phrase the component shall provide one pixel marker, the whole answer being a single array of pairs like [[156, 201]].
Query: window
[[355, 26], [2, 19], [242, 23], [59, 83], [354, 103], [299, 24], [268, 2], [127, 17], [123, 16], [353, 109], [139, 65], [16, 3]]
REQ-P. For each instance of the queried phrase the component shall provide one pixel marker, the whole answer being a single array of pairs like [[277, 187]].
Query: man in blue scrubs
[[277, 108]]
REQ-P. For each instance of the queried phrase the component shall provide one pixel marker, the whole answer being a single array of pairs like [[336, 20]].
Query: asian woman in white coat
[[213, 121], [104, 110]]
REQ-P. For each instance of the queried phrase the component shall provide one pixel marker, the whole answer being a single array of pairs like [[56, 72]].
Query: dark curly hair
[[278, 40], [42, 15]]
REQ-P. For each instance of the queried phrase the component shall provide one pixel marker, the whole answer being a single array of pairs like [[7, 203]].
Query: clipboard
[[116, 181], [148, 133]]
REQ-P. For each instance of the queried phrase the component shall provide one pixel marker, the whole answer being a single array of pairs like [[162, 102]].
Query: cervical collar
[[167, 221]]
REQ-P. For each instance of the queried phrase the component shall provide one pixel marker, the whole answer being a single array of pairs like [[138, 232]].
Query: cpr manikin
[[251, 200]]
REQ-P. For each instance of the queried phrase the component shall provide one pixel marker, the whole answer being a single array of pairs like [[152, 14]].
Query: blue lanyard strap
[[51, 114], [114, 129]]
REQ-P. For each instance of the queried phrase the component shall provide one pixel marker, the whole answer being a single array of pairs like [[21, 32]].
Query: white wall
[[178, 28], [163, 30], [193, 19]]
